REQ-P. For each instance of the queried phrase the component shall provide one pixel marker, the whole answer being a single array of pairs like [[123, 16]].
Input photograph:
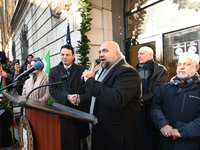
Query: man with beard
[[115, 101], [176, 107]]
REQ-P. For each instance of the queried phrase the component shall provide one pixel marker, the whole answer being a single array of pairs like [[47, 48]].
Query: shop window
[[178, 42]]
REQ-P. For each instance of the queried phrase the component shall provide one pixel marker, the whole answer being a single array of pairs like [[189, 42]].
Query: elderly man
[[176, 107], [116, 94], [152, 75]]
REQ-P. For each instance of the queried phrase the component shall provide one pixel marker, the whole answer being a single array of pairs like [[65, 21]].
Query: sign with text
[[190, 46]]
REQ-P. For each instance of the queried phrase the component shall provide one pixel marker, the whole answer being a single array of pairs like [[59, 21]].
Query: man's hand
[[167, 131], [74, 99], [176, 134], [88, 73]]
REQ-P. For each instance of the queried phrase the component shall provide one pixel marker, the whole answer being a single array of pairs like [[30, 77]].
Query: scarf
[[144, 72], [103, 75], [177, 82]]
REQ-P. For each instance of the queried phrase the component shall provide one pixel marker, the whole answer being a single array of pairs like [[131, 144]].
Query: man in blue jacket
[[176, 107]]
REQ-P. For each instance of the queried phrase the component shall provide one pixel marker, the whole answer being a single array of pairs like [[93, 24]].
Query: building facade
[[170, 27]]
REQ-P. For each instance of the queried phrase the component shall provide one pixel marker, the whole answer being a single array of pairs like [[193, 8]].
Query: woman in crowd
[[37, 78]]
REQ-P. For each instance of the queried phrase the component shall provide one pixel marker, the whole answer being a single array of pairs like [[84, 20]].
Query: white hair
[[146, 48]]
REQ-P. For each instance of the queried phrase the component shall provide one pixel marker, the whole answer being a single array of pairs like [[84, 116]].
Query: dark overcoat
[[71, 130], [180, 108], [117, 108]]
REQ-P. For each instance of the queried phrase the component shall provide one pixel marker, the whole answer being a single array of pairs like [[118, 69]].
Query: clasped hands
[[74, 99], [169, 131]]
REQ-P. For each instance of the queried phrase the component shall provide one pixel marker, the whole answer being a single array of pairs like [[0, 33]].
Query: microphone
[[63, 79], [96, 62], [37, 66]]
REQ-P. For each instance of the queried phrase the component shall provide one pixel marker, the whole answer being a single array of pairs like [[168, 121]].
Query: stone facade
[[41, 25]]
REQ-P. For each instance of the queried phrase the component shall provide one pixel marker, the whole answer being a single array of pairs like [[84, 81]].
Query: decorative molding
[[107, 4], [59, 5], [25, 134], [65, 4]]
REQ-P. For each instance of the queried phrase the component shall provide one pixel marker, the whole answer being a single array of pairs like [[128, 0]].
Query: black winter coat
[[117, 109], [180, 108], [71, 130], [158, 76]]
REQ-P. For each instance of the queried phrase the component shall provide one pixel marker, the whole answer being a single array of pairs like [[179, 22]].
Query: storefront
[[169, 27]]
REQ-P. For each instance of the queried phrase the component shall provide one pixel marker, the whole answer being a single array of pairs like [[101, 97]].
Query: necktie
[[68, 71]]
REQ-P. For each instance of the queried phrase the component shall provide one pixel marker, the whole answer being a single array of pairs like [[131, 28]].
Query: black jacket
[[180, 108], [117, 109], [158, 76], [71, 130], [73, 84]]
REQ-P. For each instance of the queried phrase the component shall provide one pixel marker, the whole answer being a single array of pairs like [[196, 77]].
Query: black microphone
[[63, 79], [96, 62], [37, 66]]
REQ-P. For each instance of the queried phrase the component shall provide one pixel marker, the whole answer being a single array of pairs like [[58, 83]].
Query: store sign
[[190, 46]]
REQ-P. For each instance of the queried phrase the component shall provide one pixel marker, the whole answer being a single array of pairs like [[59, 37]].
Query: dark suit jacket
[[69, 128], [117, 108], [72, 85]]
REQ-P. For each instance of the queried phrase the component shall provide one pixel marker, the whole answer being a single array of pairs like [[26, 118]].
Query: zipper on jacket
[[183, 104], [179, 90]]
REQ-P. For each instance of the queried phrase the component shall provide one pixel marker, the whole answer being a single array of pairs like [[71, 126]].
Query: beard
[[183, 77], [186, 76], [105, 65]]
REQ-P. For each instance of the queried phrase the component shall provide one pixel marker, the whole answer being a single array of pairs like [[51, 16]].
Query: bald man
[[152, 75], [176, 107], [116, 95]]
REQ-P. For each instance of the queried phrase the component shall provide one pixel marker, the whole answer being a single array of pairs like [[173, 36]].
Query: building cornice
[[19, 11]]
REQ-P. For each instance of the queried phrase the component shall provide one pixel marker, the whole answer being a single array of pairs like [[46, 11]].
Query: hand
[[167, 131], [141, 102], [176, 134], [74, 99], [88, 73]]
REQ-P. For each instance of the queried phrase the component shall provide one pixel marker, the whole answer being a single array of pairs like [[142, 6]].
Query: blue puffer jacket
[[180, 108]]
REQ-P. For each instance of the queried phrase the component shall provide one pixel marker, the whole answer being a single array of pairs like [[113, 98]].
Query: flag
[[47, 66], [3, 84], [46, 61], [68, 39]]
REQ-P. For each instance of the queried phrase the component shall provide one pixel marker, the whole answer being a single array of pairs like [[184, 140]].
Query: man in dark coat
[[176, 107], [116, 95], [152, 75], [71, 131]]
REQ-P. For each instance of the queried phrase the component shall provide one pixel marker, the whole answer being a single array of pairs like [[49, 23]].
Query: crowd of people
[[138, 108]]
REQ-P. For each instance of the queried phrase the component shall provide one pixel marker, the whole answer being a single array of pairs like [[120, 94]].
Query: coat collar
[[113, 70]]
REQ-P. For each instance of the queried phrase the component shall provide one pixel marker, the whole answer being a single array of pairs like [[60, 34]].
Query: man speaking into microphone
[[73, 133], [115, 101]]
